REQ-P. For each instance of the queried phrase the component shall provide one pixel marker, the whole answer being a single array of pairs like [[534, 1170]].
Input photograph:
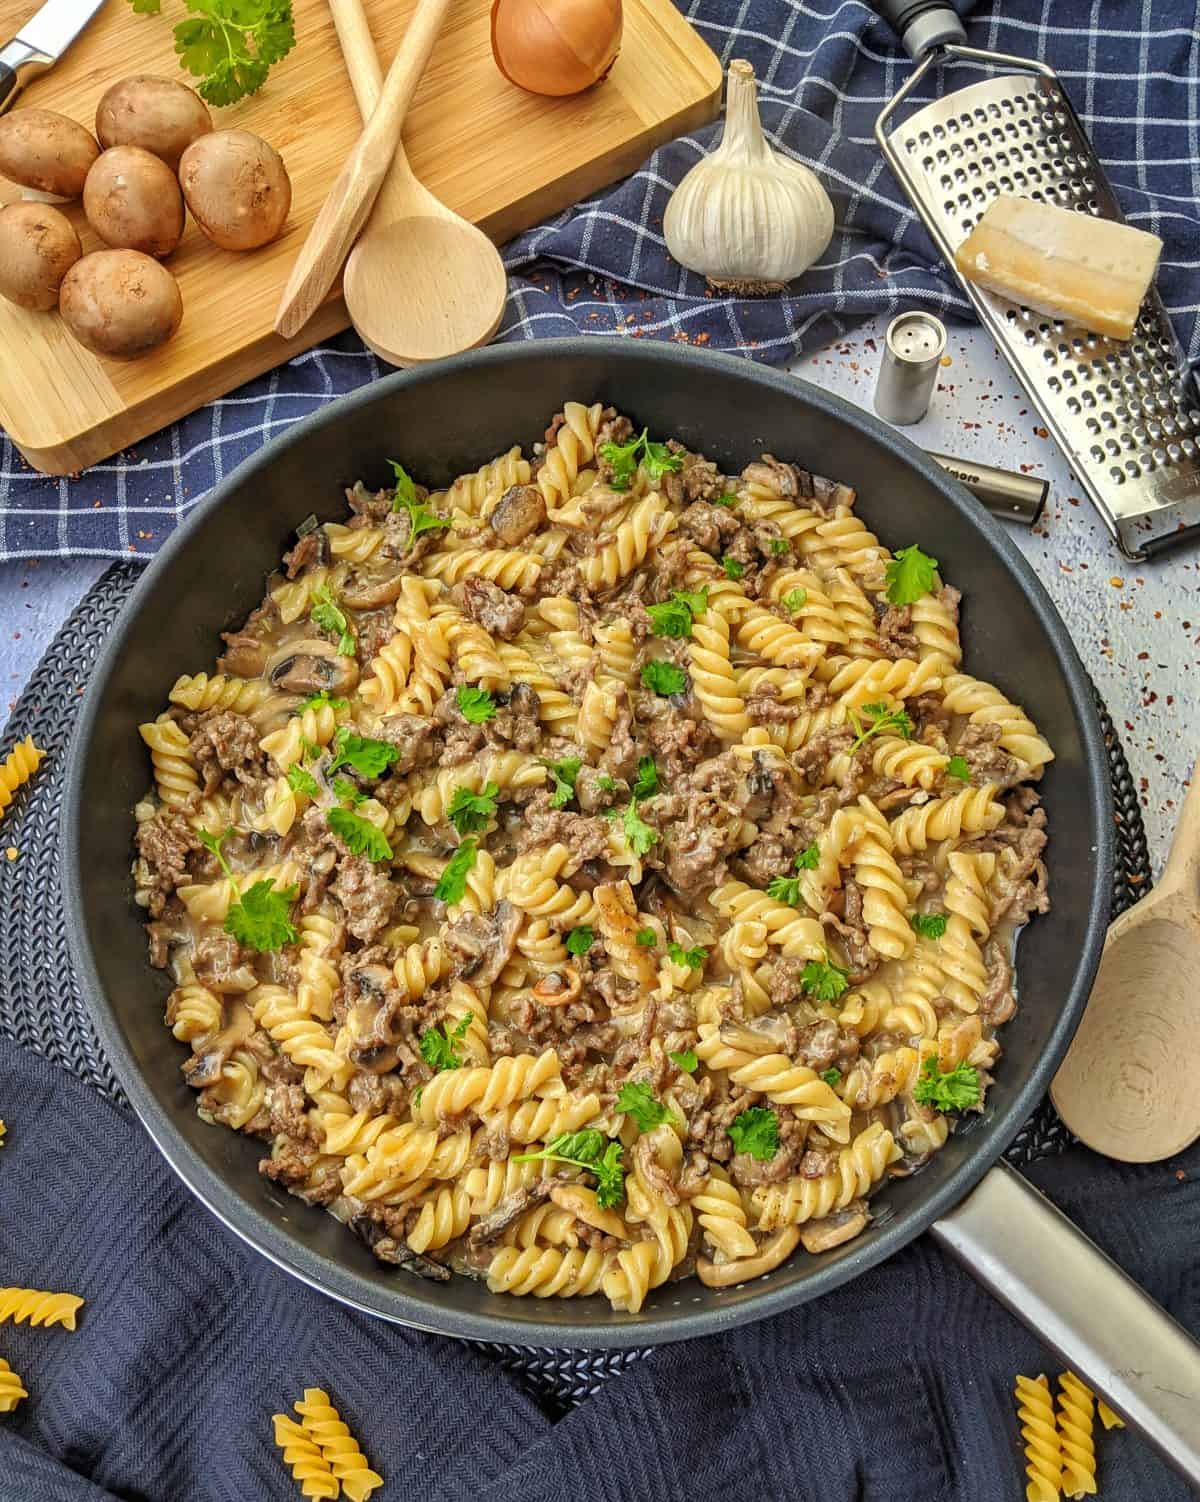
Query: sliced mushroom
[[205, 1068], [370, 1021], [245, 654], [483, 944], [374, 592], [388, 1249], [822, 1235], [519, 511], [311, 672], [507, 1213]]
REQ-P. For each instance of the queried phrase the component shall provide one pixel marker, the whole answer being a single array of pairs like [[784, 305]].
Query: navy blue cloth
[[896, 1388], [825, 67]]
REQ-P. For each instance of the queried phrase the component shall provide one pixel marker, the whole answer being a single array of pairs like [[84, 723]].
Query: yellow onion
[[555, 46]]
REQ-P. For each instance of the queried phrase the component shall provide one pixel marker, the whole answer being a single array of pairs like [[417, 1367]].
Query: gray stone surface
[[1137, 631]]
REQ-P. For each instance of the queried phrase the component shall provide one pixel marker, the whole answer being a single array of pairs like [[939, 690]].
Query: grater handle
[[1168, 542], [922, 25]]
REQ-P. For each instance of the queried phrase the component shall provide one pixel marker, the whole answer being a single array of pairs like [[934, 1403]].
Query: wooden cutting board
[[501, 157]]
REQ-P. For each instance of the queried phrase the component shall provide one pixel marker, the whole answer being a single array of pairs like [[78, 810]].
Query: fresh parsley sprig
[[580, 939], [564, 774], [301, 781], [952, 1090], [646, 938], [475, 704], [809, 858], [469, 811], [328, 616], [929, 925], [359, 835], [347, 791], [663, 677], [795, 600], [592, 1151], [673, 617], [319, 700], [824, 981], [784, 889], [636, 1099], [909, 575], [230, 45], [880, 719], [638, 834], [452, 883], [438, 1045], [959, 767], [688, 1060], [733, 568], [420, 517], [623, 460], [259, 917], [756, 1132], [369, 758], [693, 958], [646, 783]]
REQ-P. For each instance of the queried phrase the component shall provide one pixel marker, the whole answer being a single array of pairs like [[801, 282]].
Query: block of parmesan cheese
[[1068, 264]]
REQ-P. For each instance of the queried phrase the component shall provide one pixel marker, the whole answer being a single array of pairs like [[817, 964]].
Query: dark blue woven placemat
[[40, 1001]]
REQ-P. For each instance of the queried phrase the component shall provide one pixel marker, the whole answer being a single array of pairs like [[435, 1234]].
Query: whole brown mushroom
[[157, 114], [237, 188], [132, 201], [38, 246], [45, 151], [120, 303]]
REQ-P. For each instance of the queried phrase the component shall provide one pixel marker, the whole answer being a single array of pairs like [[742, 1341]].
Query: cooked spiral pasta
[[32, 1306], [594, 789], [175, 778], [12, 1389], [1035, 1410]]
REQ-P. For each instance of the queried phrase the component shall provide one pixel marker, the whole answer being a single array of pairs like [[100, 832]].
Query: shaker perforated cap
[[912, 349]]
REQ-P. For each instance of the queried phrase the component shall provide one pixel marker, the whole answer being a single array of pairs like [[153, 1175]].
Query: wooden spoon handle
[[349, 201], [1182, 871], [358, 49]]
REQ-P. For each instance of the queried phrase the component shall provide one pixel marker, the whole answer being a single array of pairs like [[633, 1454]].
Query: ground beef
[[792, 482], [415, 738], [895, 637], [374, 506], [997, 1003], [367, 896], [312, 548], [585, 837], [515, 723], [764, 707], [227, 742], [852, 931], [558, 1028], [378, 1094], [676, 734], [221, 963], [621, 755], [815, 755], [709, 526], [979, 746], [495, 610], [164, 844], [291, 1164], [817, 1162], [595, 790]]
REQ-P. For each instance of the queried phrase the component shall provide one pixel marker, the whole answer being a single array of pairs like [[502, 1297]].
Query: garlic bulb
[[746, 217]]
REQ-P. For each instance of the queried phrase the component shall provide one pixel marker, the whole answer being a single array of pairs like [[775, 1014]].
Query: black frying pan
[[449, 418]]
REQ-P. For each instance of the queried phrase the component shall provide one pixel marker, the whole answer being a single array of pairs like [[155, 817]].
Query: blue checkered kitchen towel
[[1132, 68]]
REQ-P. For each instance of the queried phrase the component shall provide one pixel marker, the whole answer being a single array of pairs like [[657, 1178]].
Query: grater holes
[[1117, 476]]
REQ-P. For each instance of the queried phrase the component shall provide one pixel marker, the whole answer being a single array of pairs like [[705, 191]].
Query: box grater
[[1126, 414]]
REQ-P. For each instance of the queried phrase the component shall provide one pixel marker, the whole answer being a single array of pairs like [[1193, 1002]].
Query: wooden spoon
[[421, 282], [1127, 1087]]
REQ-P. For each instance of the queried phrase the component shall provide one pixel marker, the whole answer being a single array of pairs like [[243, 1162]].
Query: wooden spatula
[[1128, 1085], [421, 282]]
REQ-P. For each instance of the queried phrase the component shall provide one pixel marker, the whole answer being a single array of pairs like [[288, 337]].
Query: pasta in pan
[[596, 871]]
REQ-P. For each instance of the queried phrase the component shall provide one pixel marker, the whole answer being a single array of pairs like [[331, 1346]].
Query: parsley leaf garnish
[[437, 1045], [879, 719], [590, 1150], [564, 773], [622, 459], [954, 1090], [317, 701], [301, 781], [646, 937], [929, 925], [687, 1060], [475, 704], [756, 1132], [214, 842], [328, 616], [580, 939], [637, 1100], [674, 617], [260, 919], [692, 958], [784, 889], [469, 812], [646, 784], [831, 1076], [347, 791], [452, 883], [809, 858], [958, 767], [605, 783], [823, 980], [730, 498], [779, 546], [359, 835], [639, 835], [420, 517], [795, 599], [230, 44], [663, 677], [733, 569], [910, 575], [368, 758]]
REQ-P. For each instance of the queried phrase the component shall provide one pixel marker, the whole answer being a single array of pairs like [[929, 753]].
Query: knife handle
[[19, 62]]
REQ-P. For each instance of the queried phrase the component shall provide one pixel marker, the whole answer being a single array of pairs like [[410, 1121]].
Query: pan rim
[[395, 1304]]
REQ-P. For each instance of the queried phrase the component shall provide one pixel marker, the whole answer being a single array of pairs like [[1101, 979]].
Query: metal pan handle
[[921, 25], [1046, 1271]]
